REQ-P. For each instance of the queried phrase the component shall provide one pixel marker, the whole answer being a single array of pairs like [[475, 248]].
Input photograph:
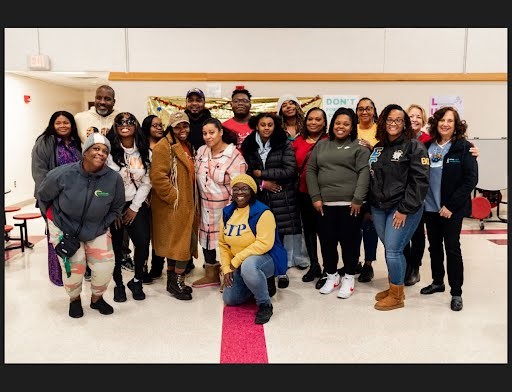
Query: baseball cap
[[178, 117], [195, 91]]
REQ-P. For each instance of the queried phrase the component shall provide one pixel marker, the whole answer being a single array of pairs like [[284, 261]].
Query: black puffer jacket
[[280, 167]]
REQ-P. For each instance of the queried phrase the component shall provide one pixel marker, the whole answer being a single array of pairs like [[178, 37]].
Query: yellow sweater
[[368, 134], [237, 242]]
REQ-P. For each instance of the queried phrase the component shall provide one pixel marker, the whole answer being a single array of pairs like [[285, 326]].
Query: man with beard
[[197, 114], [101, 116]]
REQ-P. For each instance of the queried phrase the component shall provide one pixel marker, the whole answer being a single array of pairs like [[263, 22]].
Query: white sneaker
[[331, 282], [347, 286]]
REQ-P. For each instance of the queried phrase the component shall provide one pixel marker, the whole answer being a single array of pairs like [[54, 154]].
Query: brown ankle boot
[[211, 276], [384, 294], [394, 300]]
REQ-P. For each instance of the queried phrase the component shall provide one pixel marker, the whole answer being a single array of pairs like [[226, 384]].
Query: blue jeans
[[395, 240], [250, 279]]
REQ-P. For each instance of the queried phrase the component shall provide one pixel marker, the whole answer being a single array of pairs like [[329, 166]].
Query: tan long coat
[[175, 212]]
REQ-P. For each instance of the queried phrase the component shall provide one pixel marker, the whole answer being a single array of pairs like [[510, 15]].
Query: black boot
[[187, 289], [176, 286], [412, 275], [315, 271]]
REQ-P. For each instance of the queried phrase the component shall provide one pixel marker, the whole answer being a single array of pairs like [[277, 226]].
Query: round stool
[[25, 218], [480, 209], [7, 230], [10, 209]]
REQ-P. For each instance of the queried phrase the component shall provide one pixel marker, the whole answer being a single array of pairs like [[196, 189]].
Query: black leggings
[[140, 236], [309, 217]]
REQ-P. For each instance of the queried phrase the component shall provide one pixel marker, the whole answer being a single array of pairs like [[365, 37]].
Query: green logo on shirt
[[100, 193]]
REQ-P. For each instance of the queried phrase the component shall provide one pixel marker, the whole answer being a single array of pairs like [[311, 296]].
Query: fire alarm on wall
[[39, 62]]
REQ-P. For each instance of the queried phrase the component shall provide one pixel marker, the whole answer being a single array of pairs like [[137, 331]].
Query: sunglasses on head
[[123, 121]]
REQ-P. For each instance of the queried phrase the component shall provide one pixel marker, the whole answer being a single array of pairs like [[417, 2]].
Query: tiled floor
[[306, 327]]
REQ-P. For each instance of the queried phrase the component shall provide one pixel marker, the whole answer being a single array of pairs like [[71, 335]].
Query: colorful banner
[[220, 108]]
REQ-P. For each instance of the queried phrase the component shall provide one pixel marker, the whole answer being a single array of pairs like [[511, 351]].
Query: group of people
[[263, 189]]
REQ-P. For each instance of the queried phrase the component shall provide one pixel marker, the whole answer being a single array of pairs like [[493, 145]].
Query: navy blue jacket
[[460, 176], [278, 252]]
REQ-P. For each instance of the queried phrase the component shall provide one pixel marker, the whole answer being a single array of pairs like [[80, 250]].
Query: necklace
[[310, 138]]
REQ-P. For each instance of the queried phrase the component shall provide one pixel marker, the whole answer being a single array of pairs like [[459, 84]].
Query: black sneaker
[[127, 264], [271, 284], [87, 274], [320, 282], [264, 313], [283, 281], [75, 309], [102, 306], [119, 294], [366, 274], [314, 272], [146, 278], [136, 289]]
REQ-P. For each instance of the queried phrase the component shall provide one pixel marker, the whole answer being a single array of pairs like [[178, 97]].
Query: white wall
[[24, 122], [245, 50], [484, 104], [392, 50]]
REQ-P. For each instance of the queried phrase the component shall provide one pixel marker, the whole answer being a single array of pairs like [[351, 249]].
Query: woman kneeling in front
[[250, 249]]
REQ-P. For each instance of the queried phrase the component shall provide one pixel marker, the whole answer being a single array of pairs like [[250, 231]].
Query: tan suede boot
[[384, 294], [211, 276], [394, 300]]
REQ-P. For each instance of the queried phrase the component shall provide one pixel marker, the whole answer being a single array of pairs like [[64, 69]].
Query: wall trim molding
[[307, 77]]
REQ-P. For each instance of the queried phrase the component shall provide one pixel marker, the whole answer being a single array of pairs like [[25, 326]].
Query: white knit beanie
[[95, 138], [283, 98]]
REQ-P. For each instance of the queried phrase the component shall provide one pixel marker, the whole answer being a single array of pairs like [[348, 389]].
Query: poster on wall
[[330, 103], [438, 102]]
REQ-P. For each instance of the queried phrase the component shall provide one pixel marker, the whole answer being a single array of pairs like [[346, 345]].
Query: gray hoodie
[[67, 189]]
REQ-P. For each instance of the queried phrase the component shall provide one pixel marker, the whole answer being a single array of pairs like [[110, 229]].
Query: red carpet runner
[[242, 340]]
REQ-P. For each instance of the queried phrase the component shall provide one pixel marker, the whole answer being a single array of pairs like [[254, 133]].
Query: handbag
[[67, 246]]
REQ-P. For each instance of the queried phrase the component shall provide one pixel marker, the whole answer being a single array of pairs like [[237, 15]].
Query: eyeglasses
[[398, 121], [243, 189], [122, 122], [157, 126], [244, 101], [366, 109]]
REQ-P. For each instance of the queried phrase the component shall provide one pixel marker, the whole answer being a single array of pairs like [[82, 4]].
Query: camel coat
[[174, 207]]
